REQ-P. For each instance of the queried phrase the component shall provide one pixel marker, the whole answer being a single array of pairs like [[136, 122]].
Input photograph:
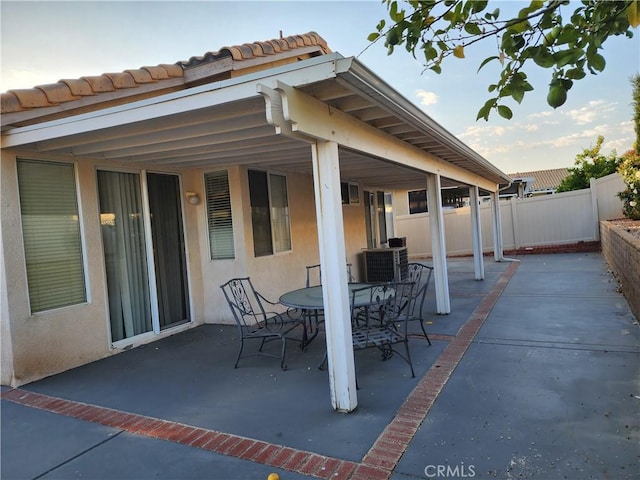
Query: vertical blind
[[219, 215], [51, 232]]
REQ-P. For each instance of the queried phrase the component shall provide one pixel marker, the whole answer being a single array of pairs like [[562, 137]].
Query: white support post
[[515, 222], [476, 232], [594, 208], [497, 227], [438, 245], [335, 291]]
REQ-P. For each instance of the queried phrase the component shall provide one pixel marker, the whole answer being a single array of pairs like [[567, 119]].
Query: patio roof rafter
[[309, 117]]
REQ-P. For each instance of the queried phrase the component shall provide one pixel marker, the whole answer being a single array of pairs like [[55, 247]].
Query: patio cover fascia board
[[357, 76], [306, 116]]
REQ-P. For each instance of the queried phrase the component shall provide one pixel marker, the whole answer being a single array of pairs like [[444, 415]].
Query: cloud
[[427, 98], [484, 131], [533, 116], [594, 110]]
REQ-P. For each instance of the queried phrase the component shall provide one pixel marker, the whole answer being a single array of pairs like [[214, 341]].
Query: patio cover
[[327, 115]]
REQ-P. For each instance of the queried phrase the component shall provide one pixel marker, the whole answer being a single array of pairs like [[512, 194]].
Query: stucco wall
[[35, 346], [274, 274], [53, 341], [42, 344]]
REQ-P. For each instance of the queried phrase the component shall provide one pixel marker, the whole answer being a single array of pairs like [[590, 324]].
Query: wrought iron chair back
[[252, 319], [382, 323], [415, 310], [314, 275]]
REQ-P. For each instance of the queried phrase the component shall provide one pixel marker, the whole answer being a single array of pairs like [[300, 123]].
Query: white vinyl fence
[[561, 218]]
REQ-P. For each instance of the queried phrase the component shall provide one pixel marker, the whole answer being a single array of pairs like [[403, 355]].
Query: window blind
[[51, 232], [219, 216]]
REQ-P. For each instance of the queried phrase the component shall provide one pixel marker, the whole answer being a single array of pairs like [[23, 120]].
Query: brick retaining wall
[[621, 250]]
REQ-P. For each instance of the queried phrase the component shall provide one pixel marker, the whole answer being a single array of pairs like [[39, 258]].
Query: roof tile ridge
[[260, 48]]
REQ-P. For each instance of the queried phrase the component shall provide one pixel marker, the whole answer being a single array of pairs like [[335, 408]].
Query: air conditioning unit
[[385, 264]]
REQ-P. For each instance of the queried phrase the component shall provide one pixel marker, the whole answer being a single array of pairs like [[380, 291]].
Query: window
[[350, 193], [219, 215], [418, 201], [269, 213], [51, 232]]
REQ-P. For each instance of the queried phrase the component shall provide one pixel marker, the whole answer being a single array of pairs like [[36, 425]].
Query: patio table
[[310, 298], [311, 302]]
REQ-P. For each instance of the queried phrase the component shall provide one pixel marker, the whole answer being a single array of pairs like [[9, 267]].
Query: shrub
[[629, 168]]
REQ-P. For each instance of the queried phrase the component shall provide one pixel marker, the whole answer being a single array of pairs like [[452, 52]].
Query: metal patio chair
[[420, 275], [254, 322], [314, 275], [379, 319], [382, 324], [314, 278]]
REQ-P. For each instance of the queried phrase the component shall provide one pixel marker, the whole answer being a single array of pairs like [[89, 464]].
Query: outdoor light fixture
[[193, 198]]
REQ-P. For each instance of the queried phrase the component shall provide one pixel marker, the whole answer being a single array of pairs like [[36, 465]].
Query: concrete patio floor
[[534, 374]]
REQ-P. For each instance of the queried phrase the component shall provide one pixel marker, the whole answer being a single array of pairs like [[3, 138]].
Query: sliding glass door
[[144, 252], [168, 249]]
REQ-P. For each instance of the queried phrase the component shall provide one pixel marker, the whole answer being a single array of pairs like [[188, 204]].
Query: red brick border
[[394, 440], [377, 464]]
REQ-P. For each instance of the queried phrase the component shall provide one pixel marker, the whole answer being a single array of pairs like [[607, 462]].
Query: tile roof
[[87, 92], [544, 179], [248, 51]]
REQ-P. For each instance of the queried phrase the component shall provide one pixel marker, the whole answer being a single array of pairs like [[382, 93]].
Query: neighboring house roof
[[96, 92], [544, 180]]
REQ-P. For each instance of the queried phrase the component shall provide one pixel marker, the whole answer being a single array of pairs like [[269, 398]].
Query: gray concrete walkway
[[534, 374]]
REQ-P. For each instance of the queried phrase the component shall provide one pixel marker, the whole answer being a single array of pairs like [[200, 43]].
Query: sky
[[45, 41]]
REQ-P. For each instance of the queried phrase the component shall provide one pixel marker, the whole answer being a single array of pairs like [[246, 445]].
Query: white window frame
[[269, 174], [81, 239], [210, 211]]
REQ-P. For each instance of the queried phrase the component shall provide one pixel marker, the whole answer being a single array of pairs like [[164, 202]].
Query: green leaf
[[505, 112], [596, 61], [478, 5], [563, 57], [394, 14], [373, 36], [576, 73], [393, 37], [430, 53], [518, 26], [472, 29], [517, 92], [487, 60], [543, 58], [486, 109], [569, 34]]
